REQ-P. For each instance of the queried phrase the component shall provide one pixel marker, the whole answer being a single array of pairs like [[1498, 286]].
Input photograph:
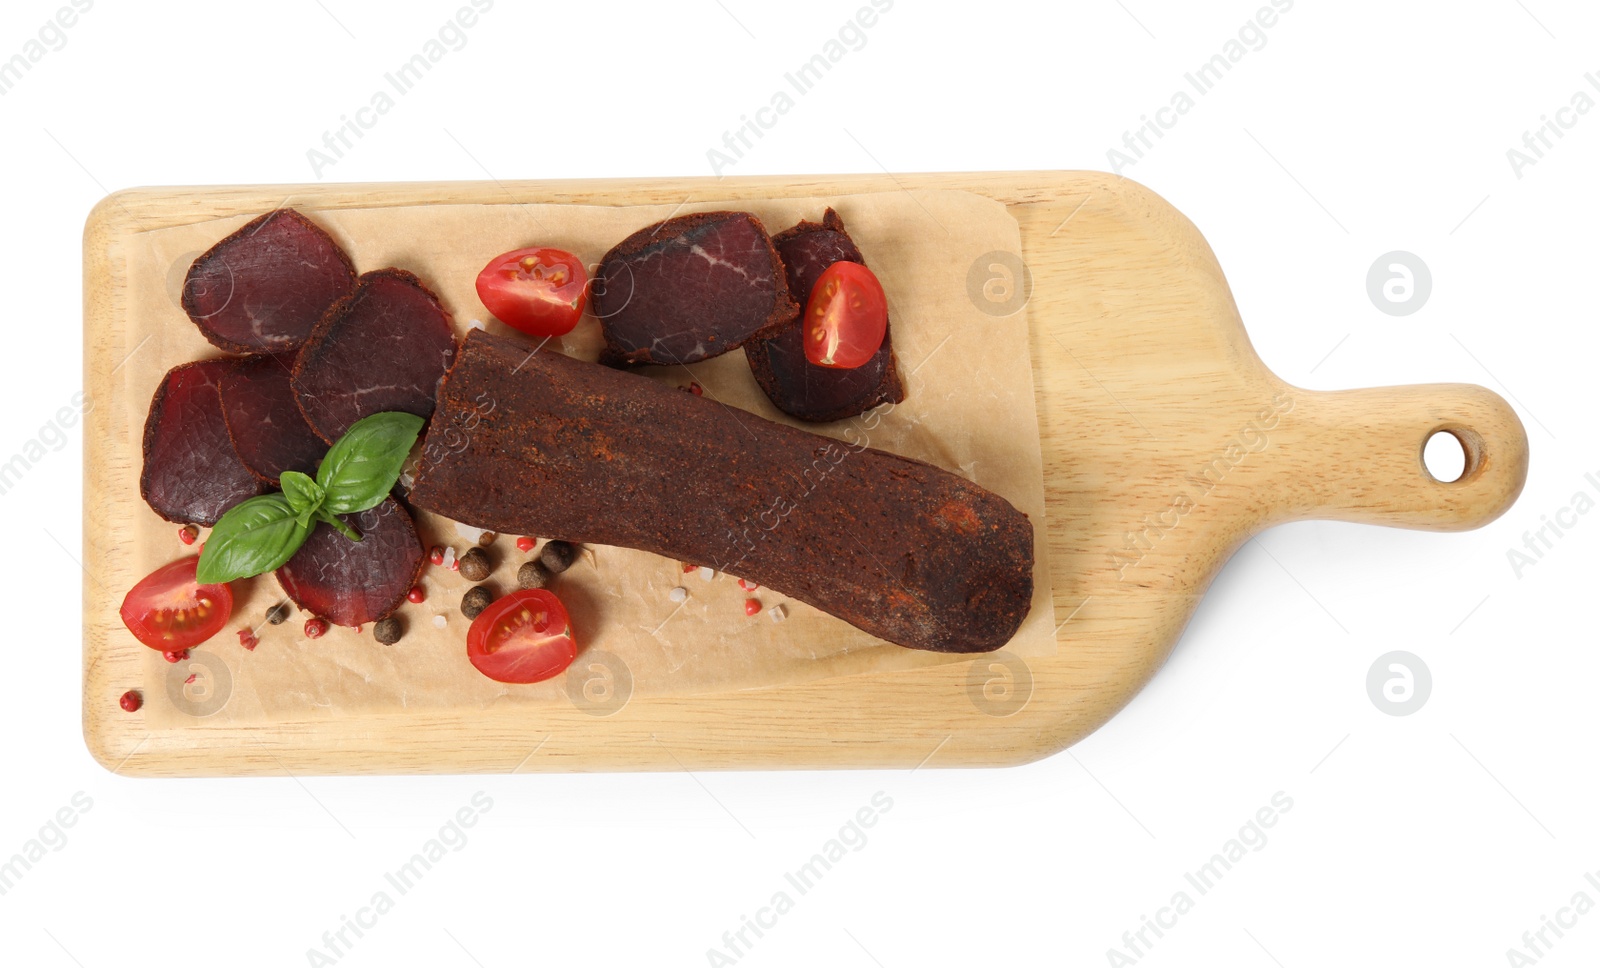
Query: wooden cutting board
[[1167, 444]]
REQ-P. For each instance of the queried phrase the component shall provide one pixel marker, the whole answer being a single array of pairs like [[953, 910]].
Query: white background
[[1359, 128]]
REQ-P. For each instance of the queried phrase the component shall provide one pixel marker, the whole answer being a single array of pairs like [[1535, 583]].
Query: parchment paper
[[969, 409]]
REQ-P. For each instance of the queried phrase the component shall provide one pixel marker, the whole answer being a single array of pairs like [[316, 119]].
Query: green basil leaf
[[363, 465], [255, 536], [304, 494]]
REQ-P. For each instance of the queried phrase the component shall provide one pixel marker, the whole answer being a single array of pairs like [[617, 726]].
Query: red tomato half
[[169, 611], [523, 637], [846, 316], [539, 291]]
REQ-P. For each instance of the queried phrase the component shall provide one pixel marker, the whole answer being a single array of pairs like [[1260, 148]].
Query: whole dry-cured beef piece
[[793, 383], [690, 288], [383, 347], [355, 582], [897, 547], [191, 473], [268, 432], [264, 287]]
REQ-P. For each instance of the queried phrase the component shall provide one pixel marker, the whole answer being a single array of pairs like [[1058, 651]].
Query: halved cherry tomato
[[523, 637], [846, 316], [169, 611], [539, 291]]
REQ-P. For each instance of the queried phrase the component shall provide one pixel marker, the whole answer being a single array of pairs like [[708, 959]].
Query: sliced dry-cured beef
[[269, 434], [794, 384], [383, 347], [355, 582], [690, 288], [191, 472], [263, 288], [902, 549]]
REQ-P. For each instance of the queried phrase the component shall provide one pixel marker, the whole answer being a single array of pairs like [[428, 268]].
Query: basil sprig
[[260, 534]]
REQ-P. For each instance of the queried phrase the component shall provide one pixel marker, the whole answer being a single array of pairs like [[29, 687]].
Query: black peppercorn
[[475, 600], [388, 630], [532, 574], [278, 614], [474, 565], [487, 538], [558, 556]]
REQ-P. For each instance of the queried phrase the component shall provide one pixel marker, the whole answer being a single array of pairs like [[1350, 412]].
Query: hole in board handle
[[1452, 454]]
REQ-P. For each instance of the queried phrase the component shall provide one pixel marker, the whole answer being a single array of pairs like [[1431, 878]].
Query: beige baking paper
[[969, 409]]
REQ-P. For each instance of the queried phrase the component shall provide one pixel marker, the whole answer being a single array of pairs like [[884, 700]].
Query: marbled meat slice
[[268, 432], [264, 287], [355, 582], [794, 384], [191, 473], [690, 288], [904, 550], [384, 347]]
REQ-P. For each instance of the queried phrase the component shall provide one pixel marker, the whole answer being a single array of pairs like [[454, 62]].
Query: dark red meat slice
[[355, 582], [264, 287], [384, 347], [267, 430], [794, 384], [690, 288], [191, 473]]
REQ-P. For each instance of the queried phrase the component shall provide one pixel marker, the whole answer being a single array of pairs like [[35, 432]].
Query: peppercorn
[[475, 565], [131, 701], [486, 538], [532, 574], [388, 630], [316, 628], [278, 614], [476, 600], [558, 556]]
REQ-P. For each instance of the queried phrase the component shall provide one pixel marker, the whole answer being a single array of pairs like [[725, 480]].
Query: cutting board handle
[[1356, 455]]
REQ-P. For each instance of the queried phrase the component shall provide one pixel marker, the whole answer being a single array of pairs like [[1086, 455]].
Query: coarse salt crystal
[[474, 324], [439, 621], [778, 613], [449, 556], [469, 532], [678, 594], [707, 572]]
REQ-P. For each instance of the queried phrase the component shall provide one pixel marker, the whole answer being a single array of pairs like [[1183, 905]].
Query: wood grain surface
[[1167, 444]]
